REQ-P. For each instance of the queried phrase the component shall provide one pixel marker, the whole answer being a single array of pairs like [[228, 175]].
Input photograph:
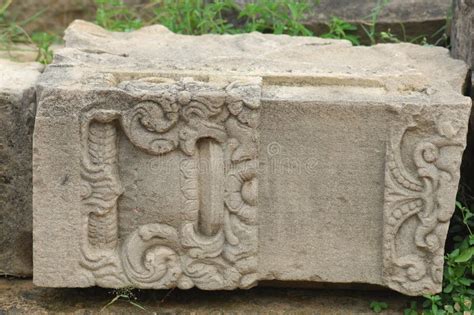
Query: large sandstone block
[[17, 115], [165, 160]]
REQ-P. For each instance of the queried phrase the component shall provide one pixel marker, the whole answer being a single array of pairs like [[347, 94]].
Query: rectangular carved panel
[[421, 174], [214, 244]]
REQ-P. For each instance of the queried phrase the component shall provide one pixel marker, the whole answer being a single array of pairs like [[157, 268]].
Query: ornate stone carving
[[215, 244], [418, 177]]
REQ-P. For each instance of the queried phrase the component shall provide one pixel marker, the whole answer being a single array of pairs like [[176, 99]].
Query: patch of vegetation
[[115, 16], [277, 17], [44, 41], [202, 17], [370, 27], [12, 32], [458, 276], [194, 16], [206, 16], [378, 307], [458, 292]]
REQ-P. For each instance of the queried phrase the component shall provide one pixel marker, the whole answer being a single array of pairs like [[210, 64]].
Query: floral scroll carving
[[215, 244], [422, 166]]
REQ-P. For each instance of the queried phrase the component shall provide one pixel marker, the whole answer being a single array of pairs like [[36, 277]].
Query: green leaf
[[465, 255], [471, 239], [449, 308], [378, 307], [465, 281], [448, 288]]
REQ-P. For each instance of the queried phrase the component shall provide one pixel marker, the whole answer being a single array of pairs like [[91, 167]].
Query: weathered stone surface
[[164, 160], [462, 36], [17, 112]]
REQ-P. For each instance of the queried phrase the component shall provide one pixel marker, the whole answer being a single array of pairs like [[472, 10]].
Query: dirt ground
[[22, 297]]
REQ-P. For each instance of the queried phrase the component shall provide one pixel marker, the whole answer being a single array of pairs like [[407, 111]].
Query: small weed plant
[[114, 15], [370, 27], [44, 41], [12, 32], [340, 29], [378, 307], [126, 295]]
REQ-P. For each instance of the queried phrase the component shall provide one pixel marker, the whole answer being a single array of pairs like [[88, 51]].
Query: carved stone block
[[164, 160], [17, 112]]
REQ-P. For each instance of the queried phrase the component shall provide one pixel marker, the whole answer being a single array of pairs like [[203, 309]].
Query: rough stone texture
[[165, 160], [17, 112]]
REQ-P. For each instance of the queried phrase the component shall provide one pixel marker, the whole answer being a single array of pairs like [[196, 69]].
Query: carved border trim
[[158, 255], [424, 197]]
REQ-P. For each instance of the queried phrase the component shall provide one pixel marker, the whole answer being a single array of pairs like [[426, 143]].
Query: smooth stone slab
[[17, 114], [165, 160]]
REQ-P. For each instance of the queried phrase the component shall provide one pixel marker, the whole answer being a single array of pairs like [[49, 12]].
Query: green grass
[[114, 15], [12, 32], [370, 27], [340, 29], [202, 17], [205, 16]]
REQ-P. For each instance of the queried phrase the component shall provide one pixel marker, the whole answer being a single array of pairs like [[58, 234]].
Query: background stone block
[[17, 114], [462, 36], [405, 19], [462, 42], [213, 161]]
